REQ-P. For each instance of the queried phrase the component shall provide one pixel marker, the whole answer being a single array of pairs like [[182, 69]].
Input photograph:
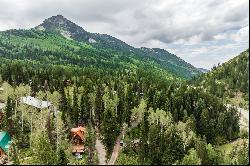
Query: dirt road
[[101, 152], [116, 150]]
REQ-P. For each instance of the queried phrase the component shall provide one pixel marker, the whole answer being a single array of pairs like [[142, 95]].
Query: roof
[[35, 102], [5, 140], [78, 131], [1, 89]]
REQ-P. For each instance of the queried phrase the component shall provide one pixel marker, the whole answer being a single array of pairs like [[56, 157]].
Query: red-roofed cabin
[[78, 140]]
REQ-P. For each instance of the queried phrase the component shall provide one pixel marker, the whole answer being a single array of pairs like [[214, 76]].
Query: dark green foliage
[[174, 148], [62, 158], [144, 149], [75, 108], [99, 105], [90, 142], [7, 118], [63, 106], [109, 130]]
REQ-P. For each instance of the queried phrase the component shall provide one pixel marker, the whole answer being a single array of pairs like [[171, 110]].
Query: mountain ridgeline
[[166, 60]]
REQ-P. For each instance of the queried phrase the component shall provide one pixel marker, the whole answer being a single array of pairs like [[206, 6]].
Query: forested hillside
[[117, 95], [229, 81], [60, 25]]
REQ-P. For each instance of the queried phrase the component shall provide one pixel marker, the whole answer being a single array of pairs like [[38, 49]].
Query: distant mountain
[[61, 25], [203, 70], [229, 80]]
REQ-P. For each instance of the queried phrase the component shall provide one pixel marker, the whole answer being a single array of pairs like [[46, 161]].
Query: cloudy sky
[[202, 32]]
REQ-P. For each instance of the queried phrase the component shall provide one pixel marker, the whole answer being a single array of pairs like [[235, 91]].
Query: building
[[36, 102], [5, 142], [78, 140]]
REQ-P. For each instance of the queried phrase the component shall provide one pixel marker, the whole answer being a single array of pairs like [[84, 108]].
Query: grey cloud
[[140, 19], [237, 14]]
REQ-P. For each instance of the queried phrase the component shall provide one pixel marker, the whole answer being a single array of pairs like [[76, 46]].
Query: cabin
[[78, 140], [5, 143], [40, 104]]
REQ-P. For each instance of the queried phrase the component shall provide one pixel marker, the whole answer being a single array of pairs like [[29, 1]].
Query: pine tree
[[90, 141], [63, 104], [75, 108], [85, 112], [154, 147], [109, 126], [7, 121], [144, 129], [99, 106], [174, 149]]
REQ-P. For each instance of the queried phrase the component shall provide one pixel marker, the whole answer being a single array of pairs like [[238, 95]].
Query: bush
[[219, 140]]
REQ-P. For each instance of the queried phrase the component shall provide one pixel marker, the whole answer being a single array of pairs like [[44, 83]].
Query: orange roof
[[78, 131], [82, 129]]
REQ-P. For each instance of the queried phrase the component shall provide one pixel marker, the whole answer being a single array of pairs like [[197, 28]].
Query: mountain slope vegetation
[[60, 25], [229, 81]]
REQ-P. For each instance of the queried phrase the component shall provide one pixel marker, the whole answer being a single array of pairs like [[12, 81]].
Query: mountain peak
[[65, 27], [56, 21], [58, 18]]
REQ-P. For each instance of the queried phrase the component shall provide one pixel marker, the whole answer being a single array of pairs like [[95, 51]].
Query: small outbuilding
[[5, 143]]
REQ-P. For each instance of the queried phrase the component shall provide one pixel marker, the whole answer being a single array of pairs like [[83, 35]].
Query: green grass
[[227, 148]]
